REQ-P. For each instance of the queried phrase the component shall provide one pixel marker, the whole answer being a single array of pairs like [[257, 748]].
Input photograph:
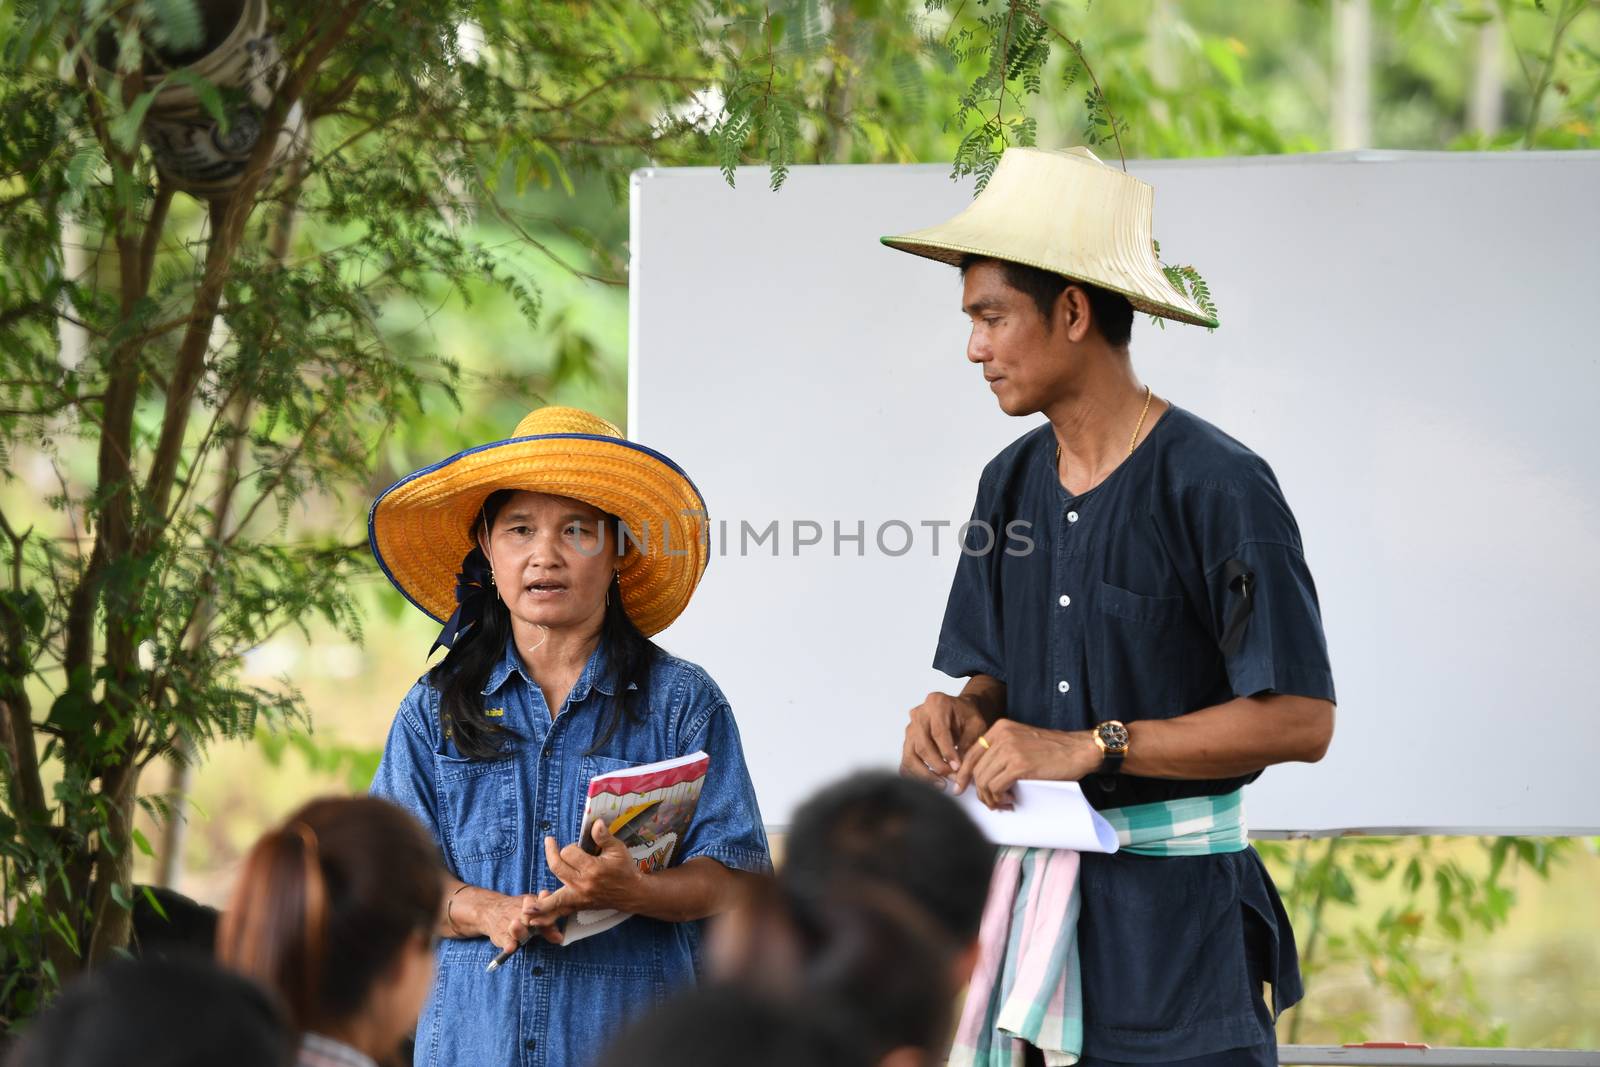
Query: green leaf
[[125, 127], [209, 95], [142, 843], [177, 25], [155, 905], [1413, 876], [74, 711]]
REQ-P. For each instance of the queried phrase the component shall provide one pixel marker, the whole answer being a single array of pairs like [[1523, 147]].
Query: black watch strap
[[1112, 764]]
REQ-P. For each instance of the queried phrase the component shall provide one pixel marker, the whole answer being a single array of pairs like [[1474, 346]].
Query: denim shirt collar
[[596, 673]]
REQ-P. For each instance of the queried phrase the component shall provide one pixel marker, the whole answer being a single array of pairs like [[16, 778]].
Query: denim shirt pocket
[[478, 809], [1137, 654]]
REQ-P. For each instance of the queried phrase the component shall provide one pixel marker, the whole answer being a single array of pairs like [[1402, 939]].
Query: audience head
[[335, 910], [167, 924], [878, 827], [722, 1026], [874, 915], [177, 1012]]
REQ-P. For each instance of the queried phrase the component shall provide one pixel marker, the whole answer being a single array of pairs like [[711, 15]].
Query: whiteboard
[[1406, 337]]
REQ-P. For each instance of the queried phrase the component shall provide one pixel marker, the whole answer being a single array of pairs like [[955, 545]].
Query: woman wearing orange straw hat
[[551, 558]]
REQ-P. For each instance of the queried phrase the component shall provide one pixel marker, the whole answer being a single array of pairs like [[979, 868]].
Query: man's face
[[1023, 360]]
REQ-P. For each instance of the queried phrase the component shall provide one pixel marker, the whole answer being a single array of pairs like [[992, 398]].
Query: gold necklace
[[1131, 441]]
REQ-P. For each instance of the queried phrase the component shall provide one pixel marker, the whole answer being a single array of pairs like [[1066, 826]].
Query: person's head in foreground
[[721, 1026], [875, 912], [878, 827], [158, 1013], [335, 911], [864, 953]]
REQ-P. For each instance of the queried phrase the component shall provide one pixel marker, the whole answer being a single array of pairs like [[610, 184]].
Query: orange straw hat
[[1067, 213], [420, 528]]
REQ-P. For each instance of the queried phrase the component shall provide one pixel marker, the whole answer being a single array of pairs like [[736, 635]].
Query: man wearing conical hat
[[1162, 644]]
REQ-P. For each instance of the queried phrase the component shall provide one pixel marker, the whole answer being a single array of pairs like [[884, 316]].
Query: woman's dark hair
[[1110, 312], [481, 644], [326, 903]]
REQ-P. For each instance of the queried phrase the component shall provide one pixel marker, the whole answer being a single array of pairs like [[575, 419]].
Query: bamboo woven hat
[[421, 527], [1067, 213]]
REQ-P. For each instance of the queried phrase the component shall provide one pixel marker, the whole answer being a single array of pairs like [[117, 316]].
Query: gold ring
[[984, 741]]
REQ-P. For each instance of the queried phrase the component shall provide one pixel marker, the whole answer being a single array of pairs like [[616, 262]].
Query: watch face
[[1114, 734]]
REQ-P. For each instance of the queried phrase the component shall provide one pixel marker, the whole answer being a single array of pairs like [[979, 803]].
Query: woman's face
[[396, 1003], [553, 559]]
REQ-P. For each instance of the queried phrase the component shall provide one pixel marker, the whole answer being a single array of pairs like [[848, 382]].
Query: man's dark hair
[[158, 1013], [876, 826], [1110, 312], [721, 1026]]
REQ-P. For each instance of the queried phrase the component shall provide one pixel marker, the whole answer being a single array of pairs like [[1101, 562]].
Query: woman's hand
[[501, 918], [610, 880]]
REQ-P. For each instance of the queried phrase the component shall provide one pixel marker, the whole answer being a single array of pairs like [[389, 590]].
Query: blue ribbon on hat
[[474, 595]]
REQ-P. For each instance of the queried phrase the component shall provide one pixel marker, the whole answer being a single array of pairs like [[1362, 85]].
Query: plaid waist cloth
[[1026, 988]]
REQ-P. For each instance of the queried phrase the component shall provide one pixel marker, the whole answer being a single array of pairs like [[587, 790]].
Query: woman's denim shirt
[[554, 1005]]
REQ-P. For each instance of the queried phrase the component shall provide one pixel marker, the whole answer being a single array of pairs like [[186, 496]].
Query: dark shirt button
[[529, 1044], [544, 824], [537, 971]]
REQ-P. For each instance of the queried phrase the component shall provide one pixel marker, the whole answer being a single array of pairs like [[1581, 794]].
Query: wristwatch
[[1111, 738]]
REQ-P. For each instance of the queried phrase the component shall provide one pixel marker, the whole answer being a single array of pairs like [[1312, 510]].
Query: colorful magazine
[[648, 808]]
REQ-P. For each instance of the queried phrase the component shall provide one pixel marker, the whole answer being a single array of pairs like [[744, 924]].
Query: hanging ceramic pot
[[240, 58]]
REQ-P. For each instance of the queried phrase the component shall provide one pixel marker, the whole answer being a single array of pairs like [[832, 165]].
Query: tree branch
[[26, 791], [1564, 18], [1105, 101], [228, 221]]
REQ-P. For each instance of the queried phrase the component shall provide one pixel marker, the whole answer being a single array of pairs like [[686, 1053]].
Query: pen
[[611, 828], [494, 964]]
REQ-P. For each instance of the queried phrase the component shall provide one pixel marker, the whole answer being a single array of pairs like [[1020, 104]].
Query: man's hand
[[1016, 752], [609, 880], [941, 735]]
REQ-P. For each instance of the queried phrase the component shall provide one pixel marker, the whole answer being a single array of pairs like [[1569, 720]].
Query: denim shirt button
[[537, 971], [544, 824], [529, 1044]]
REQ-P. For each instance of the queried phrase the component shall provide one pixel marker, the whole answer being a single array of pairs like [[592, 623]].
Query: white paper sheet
[[1045, 815]]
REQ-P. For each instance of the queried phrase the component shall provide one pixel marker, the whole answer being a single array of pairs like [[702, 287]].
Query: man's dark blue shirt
[[1176, 584]]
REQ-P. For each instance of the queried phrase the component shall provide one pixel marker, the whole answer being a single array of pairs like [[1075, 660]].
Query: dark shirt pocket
[[1138, 660], [478, 806]]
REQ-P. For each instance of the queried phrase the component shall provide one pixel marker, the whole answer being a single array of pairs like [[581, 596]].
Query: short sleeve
[[727, 823], [405, 773], [970, 638], [1263, 608]]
